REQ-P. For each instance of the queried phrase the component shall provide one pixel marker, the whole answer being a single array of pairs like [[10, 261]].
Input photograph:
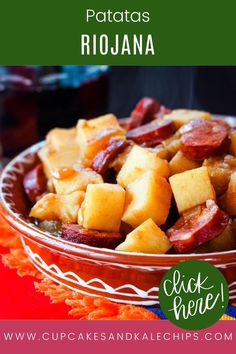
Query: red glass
[[27, 112]]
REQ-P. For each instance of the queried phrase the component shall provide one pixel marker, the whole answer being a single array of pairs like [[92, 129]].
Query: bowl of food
[[107, 207]]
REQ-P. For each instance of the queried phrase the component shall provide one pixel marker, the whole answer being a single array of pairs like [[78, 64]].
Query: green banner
[[118, 33]]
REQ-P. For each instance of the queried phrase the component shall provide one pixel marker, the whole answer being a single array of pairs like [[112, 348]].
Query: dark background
[[209, 88], [57, 96]]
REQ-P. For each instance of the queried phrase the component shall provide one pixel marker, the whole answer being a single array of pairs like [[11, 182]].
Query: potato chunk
[[146, 238], [60, 150], [149, 196], [58, 207], [183, 116], [58, 138], [103, 207], [52, 160], [191, 188], [230, 196], [138, 161], [77, 180], [93, 135], [179, 163]]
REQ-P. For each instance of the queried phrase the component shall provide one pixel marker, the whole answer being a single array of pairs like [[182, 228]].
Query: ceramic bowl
[[124, 277]]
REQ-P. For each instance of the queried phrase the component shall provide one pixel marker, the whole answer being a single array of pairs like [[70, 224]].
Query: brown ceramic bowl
[[121, 276]]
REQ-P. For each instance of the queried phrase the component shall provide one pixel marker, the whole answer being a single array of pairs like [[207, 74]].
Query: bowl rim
[[31, 231]]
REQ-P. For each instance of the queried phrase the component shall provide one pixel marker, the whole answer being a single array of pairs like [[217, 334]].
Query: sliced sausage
[[194, 229], [103, 159], [152, 133], [78, 234], [143, 112], [162, 111], [35, 183], [203, 138]]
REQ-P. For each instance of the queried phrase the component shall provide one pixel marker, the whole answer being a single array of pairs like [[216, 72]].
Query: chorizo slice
[[35, 183], [152, 133], [78, 234], [195, 228], [204, 138], [103, 159], [162, 112], [143, 112]]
